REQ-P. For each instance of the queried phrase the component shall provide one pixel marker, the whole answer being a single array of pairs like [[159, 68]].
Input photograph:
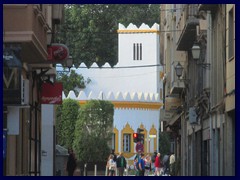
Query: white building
[[134, 87]]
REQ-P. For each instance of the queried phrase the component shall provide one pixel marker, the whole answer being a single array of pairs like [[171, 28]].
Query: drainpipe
[[216, 145], [209, 59]]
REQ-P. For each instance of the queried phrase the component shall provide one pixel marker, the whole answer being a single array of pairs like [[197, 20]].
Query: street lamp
[[196, 56], [195, 52], [68, 63], [179, 70]]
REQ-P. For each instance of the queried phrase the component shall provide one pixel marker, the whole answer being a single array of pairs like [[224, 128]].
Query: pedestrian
[[165, 162], [114, 155], [121, 164], [111, 166], [148, 163], [71, 163], [157, 165], [172, 164], [139, 146], [153, 160], [141, 165], [136, 162]]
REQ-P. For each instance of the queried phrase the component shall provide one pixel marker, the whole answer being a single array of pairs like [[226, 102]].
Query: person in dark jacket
[[71, 163], [166, 164], [153, 158], [121, 164]]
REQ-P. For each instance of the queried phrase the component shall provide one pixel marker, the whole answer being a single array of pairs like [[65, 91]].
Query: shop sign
[[57, 52], [172, 103], [51, 93]]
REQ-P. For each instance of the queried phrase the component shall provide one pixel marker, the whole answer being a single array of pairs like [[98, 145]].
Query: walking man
[[142, 165], [121, 164]]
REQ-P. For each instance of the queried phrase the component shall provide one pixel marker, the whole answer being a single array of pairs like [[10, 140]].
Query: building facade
[[133, 86], [25, 40], [199, 40]]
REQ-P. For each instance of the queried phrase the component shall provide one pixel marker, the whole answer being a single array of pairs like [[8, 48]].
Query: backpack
[[165, 160]]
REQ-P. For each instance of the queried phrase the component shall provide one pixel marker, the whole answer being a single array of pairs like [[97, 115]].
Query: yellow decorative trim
[[129, 155], [133, 104], [115, 131], [138, 31], [153, 131], [142, 105], [128, 130], [82, 102]]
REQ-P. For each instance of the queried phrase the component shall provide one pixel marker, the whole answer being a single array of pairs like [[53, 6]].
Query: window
[[113, 141], [230, 34], [137, 51], [126, 142]]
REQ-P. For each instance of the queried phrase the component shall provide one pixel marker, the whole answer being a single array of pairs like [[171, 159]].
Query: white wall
[[143, 79], [47, 140]]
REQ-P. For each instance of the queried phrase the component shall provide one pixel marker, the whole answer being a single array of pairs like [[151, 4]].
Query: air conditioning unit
[[24, 91], [192, 115]]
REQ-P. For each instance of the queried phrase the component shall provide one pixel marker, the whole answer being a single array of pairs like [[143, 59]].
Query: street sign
[[152, 136]]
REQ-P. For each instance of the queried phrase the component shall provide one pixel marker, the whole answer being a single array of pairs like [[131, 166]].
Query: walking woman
[[157, 165], [148, 163], [111, 166]]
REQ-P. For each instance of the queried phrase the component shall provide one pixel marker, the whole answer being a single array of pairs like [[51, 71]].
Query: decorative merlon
[[144, 28], [119, 96]]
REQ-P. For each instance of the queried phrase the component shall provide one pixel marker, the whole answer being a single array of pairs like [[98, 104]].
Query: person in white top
[[148, 163], [171, 162], [111, 166]]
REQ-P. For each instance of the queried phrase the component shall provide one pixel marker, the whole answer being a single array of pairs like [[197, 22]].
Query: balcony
[[187, 26], [177, 87], [27, 25]]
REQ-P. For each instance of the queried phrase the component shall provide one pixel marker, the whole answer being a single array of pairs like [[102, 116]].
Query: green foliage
[[164, 143], [59, 123], [67, 115], [93, 131], [90, 30], [72, 81]]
